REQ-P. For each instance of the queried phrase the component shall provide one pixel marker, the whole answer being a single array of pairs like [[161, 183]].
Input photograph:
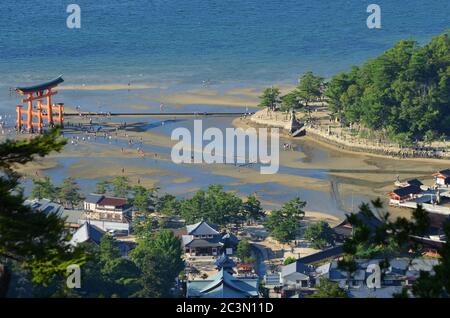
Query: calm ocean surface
[[179, 41]]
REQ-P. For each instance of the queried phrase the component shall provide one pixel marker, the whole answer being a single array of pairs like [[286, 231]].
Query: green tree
[[289, 260], [392, 238], [102, 187], [160, 259], [144, 199], [291, 101], [320, 234], [69, 193], [329, 289], [252, 209], [43, 188], [37, 241], [404, 92], [121, 186], [309, 87], [270, 98], [213, 205], [437, 285], [168, 205], [336, 88], [107, 273], [244, 250], [283, 223]]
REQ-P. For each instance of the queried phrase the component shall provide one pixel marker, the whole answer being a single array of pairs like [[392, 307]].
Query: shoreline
[[313, 136]]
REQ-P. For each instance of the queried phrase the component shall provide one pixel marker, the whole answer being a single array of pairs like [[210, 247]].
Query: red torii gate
[[38, 93]]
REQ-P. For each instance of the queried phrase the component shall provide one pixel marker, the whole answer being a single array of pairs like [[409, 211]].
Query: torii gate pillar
[[19, 118]]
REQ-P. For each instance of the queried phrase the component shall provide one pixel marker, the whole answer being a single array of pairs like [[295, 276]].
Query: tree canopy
[[69, 193], [392, 238], [44, 188], [404, 92], [329, 289], [159, 257], [244, 251], [213, 205], [35, 240], [309, 87], [251, 209], [320, 234], [270, 98], [283, 223]]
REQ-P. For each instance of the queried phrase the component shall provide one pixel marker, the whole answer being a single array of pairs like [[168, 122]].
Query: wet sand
[[355, 173], [333, 173], [209, 98]]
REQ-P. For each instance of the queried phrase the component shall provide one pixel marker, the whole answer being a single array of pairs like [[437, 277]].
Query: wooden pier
[[160, 114]]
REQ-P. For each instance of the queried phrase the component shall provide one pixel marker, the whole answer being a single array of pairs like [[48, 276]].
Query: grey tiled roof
[[201, 228], [224, 261], [72, 216], [223, 285], [322, 255], [204, 243], [87, 232], [364, 292], [296, 267], [45, 205], [93, 198], [423, 264]]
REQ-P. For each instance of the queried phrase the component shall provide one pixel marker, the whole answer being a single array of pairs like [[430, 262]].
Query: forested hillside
[[405, 92]]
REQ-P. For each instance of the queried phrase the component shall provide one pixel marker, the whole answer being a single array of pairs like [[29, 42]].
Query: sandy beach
[[357, 172], [317, 171]]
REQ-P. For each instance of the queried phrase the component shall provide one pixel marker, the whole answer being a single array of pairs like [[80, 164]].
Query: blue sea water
[[179, 41]]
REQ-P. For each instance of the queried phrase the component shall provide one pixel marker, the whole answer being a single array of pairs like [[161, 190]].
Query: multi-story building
[[108, 213]]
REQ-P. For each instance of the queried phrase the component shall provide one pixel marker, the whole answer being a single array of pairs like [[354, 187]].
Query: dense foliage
[[159, 259], [270, 98], [33, 240], [405, 92], [213, 205], [329, 289], [283, 224], [392, 238], [244, 251], [320, 234], [68, 194], [309, 89]]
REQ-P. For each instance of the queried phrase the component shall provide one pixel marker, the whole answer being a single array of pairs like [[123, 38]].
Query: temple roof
[[93, 198], [402, 192], [230, 239], [223, 285], [201, 228], [445, 173], [201, 242], [224, 262], [40, 87], [87, 232], [321, 256]]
